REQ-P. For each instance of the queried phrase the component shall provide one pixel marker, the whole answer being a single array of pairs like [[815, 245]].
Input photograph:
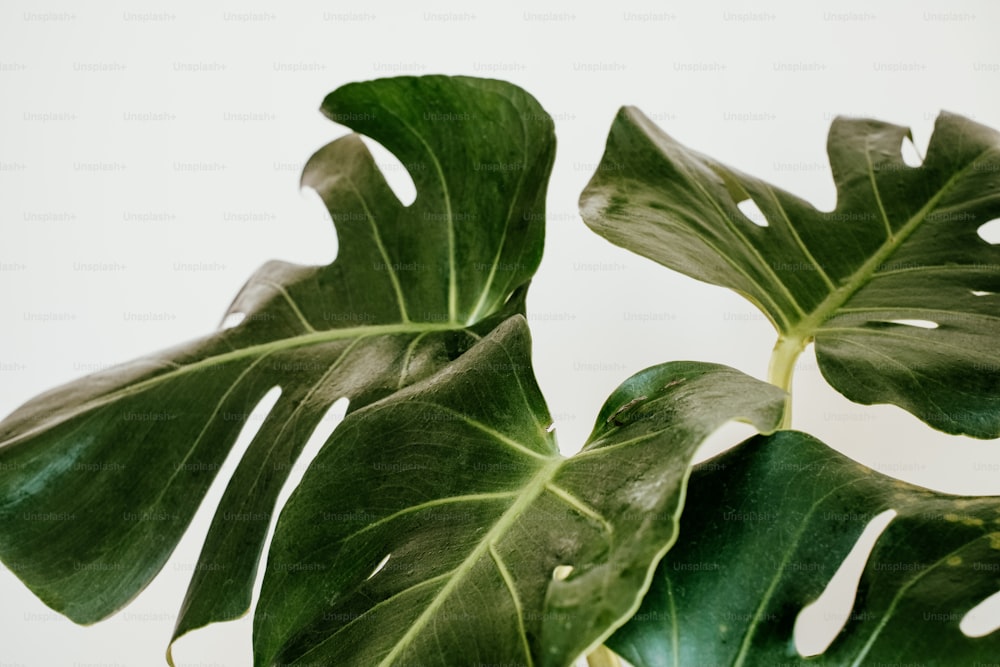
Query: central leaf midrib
[[269, 347], [808, 326], [529, 494]]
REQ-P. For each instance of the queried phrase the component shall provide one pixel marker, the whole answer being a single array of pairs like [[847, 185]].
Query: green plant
[[439, 524]]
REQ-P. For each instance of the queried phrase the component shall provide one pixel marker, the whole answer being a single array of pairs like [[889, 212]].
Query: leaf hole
[[253, 423], [920, 324], [551, 427], [982, 619], [324, 428], [976, 292], [195, 643], [911, 157], [749, 208], [821, 620], [378, 568], [990, 231], [232, 320], [561, 572], [395, 173]]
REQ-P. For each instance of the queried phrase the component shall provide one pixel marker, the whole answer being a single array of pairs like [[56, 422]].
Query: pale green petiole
[[783, 357]]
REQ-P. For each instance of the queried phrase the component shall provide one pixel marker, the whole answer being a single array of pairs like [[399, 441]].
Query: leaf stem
[[602, 656], [786, 351]]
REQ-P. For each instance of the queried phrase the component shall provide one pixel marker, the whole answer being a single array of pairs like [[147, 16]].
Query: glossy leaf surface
[[895, 285], [99, 478], [765, 527], [436, 525]]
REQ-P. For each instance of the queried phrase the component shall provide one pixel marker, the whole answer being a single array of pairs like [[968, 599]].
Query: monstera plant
[[439, 524], [899, 294]]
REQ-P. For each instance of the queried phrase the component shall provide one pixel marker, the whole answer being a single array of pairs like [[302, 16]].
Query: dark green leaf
[[99, 478], [901, 245], [765, 527], [457, 481]]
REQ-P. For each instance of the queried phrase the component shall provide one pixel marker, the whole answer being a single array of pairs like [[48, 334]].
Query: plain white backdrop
[[139, 140]]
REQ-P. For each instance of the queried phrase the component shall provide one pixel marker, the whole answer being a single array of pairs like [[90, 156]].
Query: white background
[[101, 106]]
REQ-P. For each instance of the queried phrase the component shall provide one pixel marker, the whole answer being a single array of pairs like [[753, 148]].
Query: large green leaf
[[766, 526], [99, 478], [901, 245], [458, 482]]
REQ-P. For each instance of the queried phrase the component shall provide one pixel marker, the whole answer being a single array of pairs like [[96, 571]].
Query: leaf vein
[[580, 506], [508, 581]]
